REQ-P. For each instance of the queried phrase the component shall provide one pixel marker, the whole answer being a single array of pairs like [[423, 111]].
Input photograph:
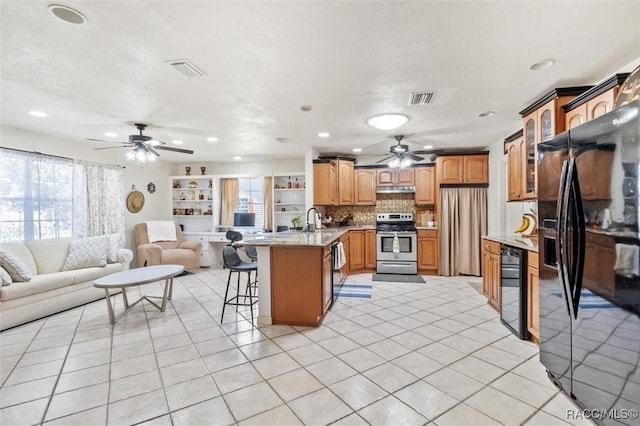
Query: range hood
[[395, 189]]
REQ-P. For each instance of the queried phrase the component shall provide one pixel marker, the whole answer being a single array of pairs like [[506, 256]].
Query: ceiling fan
[[400, 156], [144, 147]]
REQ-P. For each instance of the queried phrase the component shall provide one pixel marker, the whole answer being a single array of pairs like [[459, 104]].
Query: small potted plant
[[296, 221]]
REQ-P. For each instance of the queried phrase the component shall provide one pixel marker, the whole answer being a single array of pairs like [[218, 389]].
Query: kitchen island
[[295, 284]]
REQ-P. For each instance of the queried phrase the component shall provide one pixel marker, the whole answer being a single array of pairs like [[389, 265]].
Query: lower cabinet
[[533, 296], [491, 272], [370, 250], [356, 251], [327, 275], [346, 242], [428, 253]]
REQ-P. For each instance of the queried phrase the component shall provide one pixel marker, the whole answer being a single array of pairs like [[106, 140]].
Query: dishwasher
[[513, 290]]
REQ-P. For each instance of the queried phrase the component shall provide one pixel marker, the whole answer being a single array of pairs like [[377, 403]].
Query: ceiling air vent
[[421, 98], [186, 68]]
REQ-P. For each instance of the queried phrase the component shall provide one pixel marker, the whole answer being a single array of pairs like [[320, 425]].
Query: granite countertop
[[314, 239], [426, 227], [527, 243]]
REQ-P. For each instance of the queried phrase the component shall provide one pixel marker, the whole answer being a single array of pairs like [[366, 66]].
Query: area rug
[[397, 278], [361, 291]]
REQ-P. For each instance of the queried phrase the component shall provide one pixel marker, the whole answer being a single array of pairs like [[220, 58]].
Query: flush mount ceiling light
[[540, 65], [306, 108], [38, 113], [323, 135], [428, 147], [111, 134], [486, 114], [212, 139], [177, 142], [66, 14], [237, 157], [357, 149], [387, 121], [282, 140]]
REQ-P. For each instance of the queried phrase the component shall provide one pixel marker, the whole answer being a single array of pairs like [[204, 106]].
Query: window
[[251, 198], [36, 196]]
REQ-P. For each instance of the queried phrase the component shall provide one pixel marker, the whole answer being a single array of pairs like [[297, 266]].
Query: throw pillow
[[116, 241], [87, 252], [5, 278], [17, 270]]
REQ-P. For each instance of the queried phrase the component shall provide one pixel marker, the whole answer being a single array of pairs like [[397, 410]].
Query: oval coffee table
[[135, 277]]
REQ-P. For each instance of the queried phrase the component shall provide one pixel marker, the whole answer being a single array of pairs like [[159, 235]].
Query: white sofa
[[50, 290]]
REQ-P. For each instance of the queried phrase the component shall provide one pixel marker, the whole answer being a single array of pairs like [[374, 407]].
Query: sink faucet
[[309, 211]]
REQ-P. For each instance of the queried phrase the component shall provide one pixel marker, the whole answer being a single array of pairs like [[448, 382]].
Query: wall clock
[[151, 188]]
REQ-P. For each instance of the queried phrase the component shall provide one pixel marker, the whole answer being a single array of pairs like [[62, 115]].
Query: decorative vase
[[188, 170], [203, 170]]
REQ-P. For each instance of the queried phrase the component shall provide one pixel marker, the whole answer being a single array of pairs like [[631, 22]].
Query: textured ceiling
[[263, 60]]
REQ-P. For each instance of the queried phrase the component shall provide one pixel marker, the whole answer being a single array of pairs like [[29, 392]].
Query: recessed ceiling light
[[111, 134], [540, 65], [177, 142], [306, 108], [387, 121], [38, 113], [428, 147], [323, 135], [357, 150], [237, 157], [486, 114], [66, 14], [212, 139], [282, 140]]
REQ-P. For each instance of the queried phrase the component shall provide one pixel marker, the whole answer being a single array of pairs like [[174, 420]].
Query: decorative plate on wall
[[151, 187]]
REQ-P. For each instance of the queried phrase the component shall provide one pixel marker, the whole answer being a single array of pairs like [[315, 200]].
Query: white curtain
[[98, 199], [462, 225]]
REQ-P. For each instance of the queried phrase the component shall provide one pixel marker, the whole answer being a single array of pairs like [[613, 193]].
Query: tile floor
[[431, 353]]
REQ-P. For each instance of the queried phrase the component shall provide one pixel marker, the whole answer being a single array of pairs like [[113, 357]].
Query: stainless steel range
[[396, 243]]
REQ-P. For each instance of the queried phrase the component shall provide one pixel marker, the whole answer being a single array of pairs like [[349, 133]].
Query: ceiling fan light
[[387, 121], [131, 155], [406, 162], [395, 163]]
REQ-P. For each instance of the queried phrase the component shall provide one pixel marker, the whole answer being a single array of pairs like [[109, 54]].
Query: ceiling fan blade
[[414, 157], [153, 151], [168, 148], [385, 159], [112, 147], [102, 140]]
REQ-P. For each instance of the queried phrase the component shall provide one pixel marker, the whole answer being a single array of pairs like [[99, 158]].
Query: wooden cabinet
[[491, 272], [514, 170], [345, 183], [365, 187], [325, 184], [533, 296], [346, 242], [521, 167], [370, 250], [594, 102], [425, 180], [428, 253], [327, 284], [457, 169], [390, 177], [356, 251], [333, 182]]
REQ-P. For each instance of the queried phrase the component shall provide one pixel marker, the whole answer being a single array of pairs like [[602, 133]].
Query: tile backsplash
[[385, 203]]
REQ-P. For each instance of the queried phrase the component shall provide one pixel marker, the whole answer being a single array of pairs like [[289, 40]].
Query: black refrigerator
[[589, 243]]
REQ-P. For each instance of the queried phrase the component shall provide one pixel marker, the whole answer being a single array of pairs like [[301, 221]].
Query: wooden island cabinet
[[533, 296], [491, 272]]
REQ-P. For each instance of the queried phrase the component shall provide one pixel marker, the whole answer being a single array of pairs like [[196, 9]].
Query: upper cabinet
[[542, 120], [333, 182], [457, 169], [594, 102], [391, 177], [365, 187], [425, 179]]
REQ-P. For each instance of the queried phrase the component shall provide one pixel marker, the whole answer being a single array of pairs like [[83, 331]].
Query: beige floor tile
[[525, 390], [223, 360], [260, 349], [411, 340], [454, 383], [364, 336], [29, 413], [417, 364], [34, 372], [563, 408], [463, 414], [351, 420], [82, 378], [310, 354], [295, 384], [77, 400], [501, 407], [281, 415], [235, 378], [533, 369], [331, 370], [252, 400], [362, 359], [339, 345], [390, 411], [388, 349], [462, 343], [132, 366], [138, 408], [275, 365], [176, 355], [478, 369], [27, 391], [137, 384], [44, 355], [444, 354], [129, 351], [219, 344], [498, 357], [319, 408], [544, 419], [426, 399], [390, 377], [213, 412], [191, 392], [183, 371], [94, 416], [358, 391]]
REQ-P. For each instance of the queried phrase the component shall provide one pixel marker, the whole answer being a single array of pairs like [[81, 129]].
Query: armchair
[[179, 252]]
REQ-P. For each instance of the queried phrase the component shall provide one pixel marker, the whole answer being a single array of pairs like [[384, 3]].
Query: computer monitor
[[244, 219]]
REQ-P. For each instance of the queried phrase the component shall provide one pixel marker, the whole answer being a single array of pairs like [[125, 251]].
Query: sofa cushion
[[21, 252], [87, 252], [116, 241], [49, 254], [92, 274], [38, 284], [17, 270], [5, 278]]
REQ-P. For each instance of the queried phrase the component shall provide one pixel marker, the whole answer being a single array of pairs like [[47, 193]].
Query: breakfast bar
[[295, 285]]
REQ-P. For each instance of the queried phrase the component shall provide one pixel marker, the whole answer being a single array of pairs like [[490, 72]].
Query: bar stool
[[252, 253], [233, 263]]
